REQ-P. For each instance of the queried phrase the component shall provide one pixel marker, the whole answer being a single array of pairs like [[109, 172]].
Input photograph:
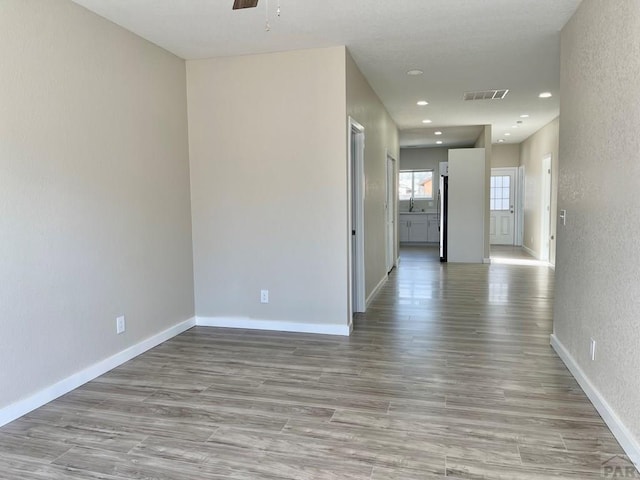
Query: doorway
[[502, 206], [545, 218], [356, 218], [390, 213]]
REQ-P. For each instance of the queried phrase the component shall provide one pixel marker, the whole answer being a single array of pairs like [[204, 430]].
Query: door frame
[[391, 212], [356, 191], [520, 206]]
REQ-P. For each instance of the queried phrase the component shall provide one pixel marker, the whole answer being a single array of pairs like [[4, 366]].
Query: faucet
[[411, 204]]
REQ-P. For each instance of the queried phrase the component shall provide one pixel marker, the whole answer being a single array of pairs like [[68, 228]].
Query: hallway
[[476, 338], [448, 375]]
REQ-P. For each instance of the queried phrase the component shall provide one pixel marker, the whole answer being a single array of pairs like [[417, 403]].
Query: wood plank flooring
[[448, 375]]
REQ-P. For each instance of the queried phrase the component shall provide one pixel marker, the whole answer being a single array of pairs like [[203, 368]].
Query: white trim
[[355, 202], [391, 212], [629, 444], [257, 324], [44, 396], [519, 229], [375, 291], [486, 260], [545, 226]]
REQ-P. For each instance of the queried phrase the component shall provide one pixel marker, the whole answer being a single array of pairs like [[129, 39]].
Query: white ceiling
[[461, 45]]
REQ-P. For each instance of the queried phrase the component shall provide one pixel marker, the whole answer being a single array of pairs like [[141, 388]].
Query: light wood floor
[[448, 375]]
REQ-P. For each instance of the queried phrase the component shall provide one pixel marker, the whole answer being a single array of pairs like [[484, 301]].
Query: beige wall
[[484, 141], [94, 175], [381, 137], [413, 158], [268, 145], [597, 273], [466, 219], [532, 151], [504, 156]]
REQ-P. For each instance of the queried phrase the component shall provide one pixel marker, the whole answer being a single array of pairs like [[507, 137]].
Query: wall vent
[[486, 95]]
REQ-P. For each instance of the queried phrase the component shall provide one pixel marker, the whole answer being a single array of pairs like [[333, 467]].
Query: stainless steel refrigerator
[[443, 206]]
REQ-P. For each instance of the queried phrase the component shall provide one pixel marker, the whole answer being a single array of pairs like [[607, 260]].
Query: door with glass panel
[[502, 203]]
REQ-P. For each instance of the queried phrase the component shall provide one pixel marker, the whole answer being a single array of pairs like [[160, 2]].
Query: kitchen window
[[416, 184]]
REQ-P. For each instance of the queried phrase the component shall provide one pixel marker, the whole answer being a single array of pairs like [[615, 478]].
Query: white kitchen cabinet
[[413, 228], [403, 228], [418, 229], [433, 234]]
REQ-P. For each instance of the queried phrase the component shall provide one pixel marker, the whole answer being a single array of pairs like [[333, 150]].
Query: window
[[500, 192], [415, 184]]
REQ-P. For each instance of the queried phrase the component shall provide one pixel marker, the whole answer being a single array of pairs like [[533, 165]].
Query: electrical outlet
[[120, 325], [264, 296], [592, 349]]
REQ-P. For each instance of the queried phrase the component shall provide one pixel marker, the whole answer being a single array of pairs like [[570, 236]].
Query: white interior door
[[390, 207], [545, 227], [502, 203]]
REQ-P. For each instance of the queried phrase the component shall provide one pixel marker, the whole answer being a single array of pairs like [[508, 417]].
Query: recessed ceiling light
[[415, 72], [514, 126], [422, 103], [439, 142], [437, 133], [545, 95], [426, 120], [507, 134], [501, 140], [524, 116]]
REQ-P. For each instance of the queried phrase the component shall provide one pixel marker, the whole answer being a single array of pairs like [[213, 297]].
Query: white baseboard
[[486, 260], [44, 396], [255, 324], [530, 252], [629, 443], [375, 291]]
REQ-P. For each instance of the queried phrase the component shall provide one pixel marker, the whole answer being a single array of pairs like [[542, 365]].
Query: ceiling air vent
[[486, 95], [238, 4]]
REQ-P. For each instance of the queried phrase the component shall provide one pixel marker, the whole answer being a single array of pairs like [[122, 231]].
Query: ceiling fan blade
[[238, 4]]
